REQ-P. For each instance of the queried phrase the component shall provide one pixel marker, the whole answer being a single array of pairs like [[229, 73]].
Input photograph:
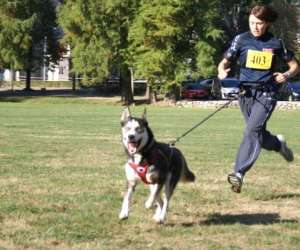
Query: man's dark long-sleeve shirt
[[257, 56]]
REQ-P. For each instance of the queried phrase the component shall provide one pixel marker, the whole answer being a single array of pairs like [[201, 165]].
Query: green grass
[[62, 178]]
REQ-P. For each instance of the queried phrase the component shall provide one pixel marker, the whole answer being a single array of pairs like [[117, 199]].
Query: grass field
[[62, 178]]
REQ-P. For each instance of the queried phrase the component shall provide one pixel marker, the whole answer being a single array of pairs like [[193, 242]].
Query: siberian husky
[[156, 164]]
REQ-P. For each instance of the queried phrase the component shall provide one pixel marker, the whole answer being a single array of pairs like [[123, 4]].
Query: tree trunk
[[151, 95], [125, 74], [12, 78], [132, 81], [28, 70], [73, 74], [28, 80], [126, 90], [173, 94], [73, 81]]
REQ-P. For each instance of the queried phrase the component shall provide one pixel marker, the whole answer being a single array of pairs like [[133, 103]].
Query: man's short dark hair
[[265, 13]]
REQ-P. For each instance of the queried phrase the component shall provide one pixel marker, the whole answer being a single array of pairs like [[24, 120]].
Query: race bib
[[259, 59]]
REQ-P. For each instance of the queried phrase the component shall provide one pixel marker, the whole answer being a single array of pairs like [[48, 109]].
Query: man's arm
[[293, 70]]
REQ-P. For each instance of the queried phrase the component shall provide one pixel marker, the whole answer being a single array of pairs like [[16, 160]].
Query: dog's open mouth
[[133, 146]]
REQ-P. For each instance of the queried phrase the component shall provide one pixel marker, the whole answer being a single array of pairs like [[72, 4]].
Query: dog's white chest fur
[[137, 158]]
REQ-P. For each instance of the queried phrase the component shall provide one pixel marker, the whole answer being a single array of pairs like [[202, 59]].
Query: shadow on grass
[[246, 219], [231, 219], [269, 197]]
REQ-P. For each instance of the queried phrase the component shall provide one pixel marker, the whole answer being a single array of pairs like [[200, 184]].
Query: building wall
[[60, 71]]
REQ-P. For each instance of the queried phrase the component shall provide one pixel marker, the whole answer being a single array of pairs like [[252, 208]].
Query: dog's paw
[[123, 216], [158, 219], [149, 204]]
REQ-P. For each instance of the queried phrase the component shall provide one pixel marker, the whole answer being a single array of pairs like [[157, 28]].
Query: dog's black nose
[[131, 137]]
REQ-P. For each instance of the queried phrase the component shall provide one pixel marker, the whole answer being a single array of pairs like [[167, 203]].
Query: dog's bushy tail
[[187, 175]]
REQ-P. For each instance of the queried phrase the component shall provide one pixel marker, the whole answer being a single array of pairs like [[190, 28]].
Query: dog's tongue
[[132, 147]]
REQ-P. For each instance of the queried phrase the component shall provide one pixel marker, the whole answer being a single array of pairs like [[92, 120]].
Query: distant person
[[258, 52]]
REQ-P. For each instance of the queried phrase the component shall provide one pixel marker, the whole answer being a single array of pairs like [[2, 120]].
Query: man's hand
[[281, 77], [293, 70], [223, 73], [223, 69]]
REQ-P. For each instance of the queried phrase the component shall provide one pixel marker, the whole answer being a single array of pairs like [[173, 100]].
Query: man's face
[[257, 26]]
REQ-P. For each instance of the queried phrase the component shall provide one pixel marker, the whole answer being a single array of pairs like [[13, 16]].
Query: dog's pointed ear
[[126, 115], [144, 115]]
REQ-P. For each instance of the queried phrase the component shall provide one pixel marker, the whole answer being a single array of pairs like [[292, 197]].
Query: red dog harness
[[141, 169]]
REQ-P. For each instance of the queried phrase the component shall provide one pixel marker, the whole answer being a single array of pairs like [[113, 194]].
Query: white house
[[61, 71], [56, 72]]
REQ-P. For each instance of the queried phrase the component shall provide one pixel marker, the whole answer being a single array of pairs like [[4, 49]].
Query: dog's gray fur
[[167, 165]]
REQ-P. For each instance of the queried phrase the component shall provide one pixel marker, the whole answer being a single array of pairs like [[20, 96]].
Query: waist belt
[[259, 87]]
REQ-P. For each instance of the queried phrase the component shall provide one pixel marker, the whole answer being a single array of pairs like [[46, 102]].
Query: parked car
[[194, 91], [207, 83], [213, 87], [230, 88], [290, 92]]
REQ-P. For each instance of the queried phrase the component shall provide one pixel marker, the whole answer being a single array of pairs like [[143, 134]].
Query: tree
[[287, 26], [171, 39], [97, 31], [84, 31], [24, 25], [235, 15], [162, 41]]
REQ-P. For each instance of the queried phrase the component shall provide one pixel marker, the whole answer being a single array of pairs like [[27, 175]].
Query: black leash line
[[172, 143]]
